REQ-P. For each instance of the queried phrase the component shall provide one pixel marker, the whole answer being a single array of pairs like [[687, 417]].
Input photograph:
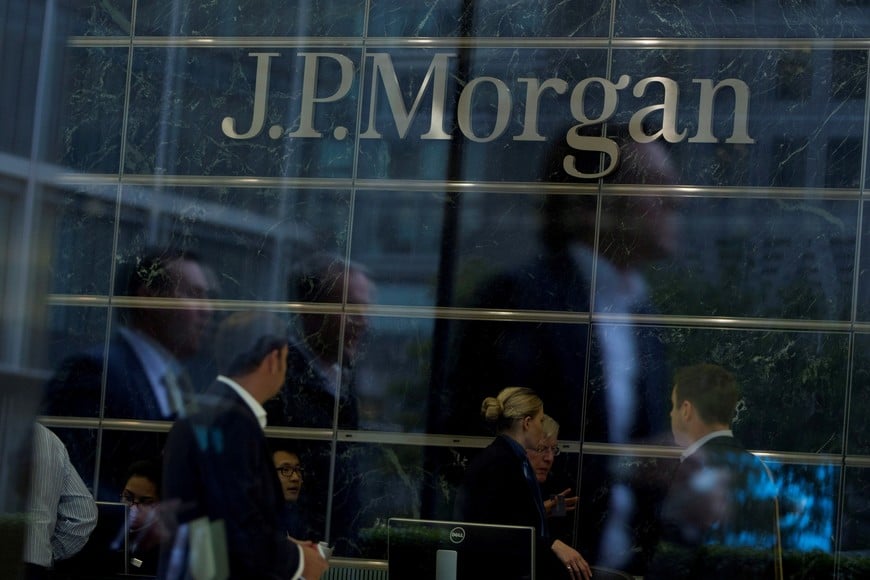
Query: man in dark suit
[[720, 515], [218, 466], [143, 370]]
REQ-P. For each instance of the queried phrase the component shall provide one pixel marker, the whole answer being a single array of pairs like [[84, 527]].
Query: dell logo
[[457, 535]]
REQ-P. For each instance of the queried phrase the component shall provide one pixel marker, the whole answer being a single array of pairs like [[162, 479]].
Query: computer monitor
[[105, 555], [440, 550]]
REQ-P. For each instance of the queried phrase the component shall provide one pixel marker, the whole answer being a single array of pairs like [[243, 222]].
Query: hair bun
[[491, 409]]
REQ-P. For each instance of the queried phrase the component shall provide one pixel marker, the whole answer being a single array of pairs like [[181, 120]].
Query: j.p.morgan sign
[[529, 89]]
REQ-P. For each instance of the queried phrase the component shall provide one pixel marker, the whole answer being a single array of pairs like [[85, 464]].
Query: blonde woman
[[500, 485]]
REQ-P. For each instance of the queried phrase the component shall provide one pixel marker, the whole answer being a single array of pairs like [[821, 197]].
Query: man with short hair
[[218, 466], [720, 514]]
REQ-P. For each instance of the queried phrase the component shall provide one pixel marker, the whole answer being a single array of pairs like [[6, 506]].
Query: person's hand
[[314, 565], [569, 501], [571, 558]]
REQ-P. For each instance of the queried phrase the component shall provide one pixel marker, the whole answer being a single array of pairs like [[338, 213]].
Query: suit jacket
[[218, 464], [720, 508], [306, 400], [495, 491], [75, 388], [75, 391]]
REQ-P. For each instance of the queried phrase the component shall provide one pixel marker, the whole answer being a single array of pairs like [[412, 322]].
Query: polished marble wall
[[426, 141]]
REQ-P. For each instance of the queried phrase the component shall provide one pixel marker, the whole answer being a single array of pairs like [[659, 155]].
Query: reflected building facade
[[257, 135]]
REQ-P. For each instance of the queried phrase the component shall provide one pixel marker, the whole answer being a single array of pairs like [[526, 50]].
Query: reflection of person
[[141, 495], [721, 494], [541, 458], [626, 374], [218, 466], [291, 475], [500, 486], [143, 372], [61, 511], [602, 381], [321, 359], [324, 350]]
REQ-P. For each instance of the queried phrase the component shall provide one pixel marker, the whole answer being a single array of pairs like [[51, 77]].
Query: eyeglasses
[[289, 470], [129, 500], [541, 449]]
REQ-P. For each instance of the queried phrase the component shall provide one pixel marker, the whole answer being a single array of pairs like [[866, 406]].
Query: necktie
[[178, 389]]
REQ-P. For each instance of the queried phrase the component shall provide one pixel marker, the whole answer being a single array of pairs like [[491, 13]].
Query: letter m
[[382, 68]]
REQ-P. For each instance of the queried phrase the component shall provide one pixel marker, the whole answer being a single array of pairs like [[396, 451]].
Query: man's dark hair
[[318, 278], [276, 445], [244, 339], [150, 469], [147, 274], [711, 389]]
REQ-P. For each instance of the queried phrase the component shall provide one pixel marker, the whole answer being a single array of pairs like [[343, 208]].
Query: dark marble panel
[[491, 121], [392, 375], [248, 239], [620, 497], [732, 257], [489, 18], [728, 19], [81, 225], [185, 102], [85, 126], [428, 248], [855, 527], [793, 383], [98, 18], [374, 482], [803, 111], [689, 256], [863, 302], [20, 52], [251, 18], [859, 430], [72, 332], [71, 329]]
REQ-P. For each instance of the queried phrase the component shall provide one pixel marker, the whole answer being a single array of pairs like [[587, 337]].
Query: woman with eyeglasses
[[145, 532], [556, 504], [291, 475], [500, 485]]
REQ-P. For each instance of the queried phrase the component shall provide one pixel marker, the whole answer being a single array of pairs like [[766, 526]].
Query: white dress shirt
[[61, 511]]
